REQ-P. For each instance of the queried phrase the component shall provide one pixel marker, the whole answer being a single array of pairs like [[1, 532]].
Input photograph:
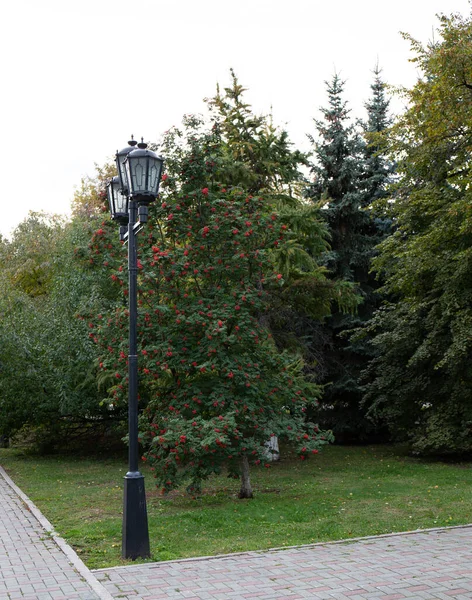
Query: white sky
[[79, 77]]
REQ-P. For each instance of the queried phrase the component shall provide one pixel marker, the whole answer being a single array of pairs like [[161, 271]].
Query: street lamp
[[137, 184]]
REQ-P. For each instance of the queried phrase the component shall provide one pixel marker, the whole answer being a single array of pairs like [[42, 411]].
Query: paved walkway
[[36, 564], [418, 566]]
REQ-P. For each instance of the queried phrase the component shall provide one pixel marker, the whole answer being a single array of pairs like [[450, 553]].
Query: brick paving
[[418, 566], [36, 564]]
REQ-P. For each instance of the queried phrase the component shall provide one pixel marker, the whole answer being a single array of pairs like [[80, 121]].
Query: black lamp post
[[129, 194]]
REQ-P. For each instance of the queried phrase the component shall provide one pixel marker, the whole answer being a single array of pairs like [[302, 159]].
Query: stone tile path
[[36, 564], [419, 566]]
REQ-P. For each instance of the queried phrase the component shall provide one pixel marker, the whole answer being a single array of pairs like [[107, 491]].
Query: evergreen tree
[[337, 175], [378, 168], [259, 156], [350, 173]]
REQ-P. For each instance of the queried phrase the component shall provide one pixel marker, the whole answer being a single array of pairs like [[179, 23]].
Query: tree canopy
[[420, 380]]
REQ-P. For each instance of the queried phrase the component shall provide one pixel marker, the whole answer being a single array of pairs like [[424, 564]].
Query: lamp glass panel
[[137, 170], [121, 200], [155, 167], [144, 173], [111, 200], [122, 174]]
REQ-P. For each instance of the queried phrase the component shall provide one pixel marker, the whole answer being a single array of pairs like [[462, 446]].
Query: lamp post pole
[[137, 184], [135, 535]]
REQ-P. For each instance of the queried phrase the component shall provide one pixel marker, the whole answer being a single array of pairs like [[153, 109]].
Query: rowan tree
[[213, 385]]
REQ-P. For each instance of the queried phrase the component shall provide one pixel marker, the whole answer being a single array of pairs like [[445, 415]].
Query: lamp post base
[[135, 540]]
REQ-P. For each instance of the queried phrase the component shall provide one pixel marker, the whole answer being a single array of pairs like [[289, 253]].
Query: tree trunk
[[246, 489]]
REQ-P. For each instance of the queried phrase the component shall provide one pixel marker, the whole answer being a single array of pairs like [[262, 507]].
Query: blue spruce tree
[[349, 175]]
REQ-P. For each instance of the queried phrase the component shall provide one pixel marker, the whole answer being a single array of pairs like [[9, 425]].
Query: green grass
[[344, 492]]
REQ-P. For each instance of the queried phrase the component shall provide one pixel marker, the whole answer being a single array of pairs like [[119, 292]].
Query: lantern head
[[143, 174]]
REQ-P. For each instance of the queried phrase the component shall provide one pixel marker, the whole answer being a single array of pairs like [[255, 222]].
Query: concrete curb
[[256, 553], [73, 558]]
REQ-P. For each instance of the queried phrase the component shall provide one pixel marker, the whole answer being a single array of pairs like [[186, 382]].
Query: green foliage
[[88, 198], [257, 155], [47, 372], [420, 380], [27, 259], [230, 389]]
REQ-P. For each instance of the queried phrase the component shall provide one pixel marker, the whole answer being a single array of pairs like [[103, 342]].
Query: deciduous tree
[[47, 360], [213, 385], [421, 378]]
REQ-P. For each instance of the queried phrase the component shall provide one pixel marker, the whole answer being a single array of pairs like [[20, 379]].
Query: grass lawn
[[344, 492]]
